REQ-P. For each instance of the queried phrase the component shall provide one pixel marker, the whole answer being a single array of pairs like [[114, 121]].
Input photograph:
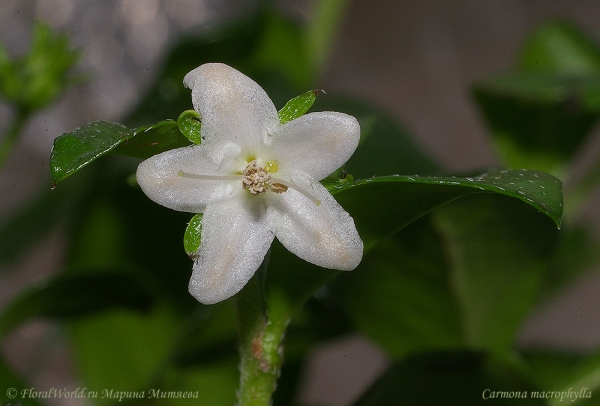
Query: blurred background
[[417, 60]]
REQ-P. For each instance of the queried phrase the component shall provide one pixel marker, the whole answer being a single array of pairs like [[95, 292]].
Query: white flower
[[255, 179]]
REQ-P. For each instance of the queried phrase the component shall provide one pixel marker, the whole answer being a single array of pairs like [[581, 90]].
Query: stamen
[[303, 191], [209, 177]]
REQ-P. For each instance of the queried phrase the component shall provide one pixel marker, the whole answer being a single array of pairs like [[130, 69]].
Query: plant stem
[[8, 141], [261, 350]]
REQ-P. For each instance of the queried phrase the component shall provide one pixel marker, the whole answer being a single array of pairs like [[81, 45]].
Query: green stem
[[8, 142], [261, 350]]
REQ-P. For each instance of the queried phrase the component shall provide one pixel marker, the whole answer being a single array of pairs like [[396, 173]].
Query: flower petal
[[233, 107], [323, 235], [236, 235], [316, 143], [158, 177]]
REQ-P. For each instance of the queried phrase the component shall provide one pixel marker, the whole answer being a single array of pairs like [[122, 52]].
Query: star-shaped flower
[[255, 179]]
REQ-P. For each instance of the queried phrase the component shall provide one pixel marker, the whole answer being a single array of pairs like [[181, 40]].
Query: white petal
[[233, 107], [158, 177], [316, 143], [324, 235], [236, 235]]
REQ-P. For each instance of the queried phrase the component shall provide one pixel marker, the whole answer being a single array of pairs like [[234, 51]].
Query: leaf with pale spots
[[298, 106], [191, 237], [383, 205]]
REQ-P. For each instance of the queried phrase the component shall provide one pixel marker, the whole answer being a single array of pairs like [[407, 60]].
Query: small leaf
[[70, 296], [333, 182], [73, 151], [298, 106], [191, 238], [190, 124]]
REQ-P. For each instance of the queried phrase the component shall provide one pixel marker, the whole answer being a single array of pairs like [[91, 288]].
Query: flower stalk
[[261, 350]]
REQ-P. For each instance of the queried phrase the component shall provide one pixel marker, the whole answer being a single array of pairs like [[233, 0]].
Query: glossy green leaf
[[298, 106], [499, 251], [72, 296], [75, 150], [190, 125], [373, 204], [448, 378], [191, 237], [149, 140]]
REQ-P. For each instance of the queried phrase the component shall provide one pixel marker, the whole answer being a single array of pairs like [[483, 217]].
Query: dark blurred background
[[415, 59]]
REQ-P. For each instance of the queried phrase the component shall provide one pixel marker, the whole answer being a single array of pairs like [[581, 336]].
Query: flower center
[[257, 180]]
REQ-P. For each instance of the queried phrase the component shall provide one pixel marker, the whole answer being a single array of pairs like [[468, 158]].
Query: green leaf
[[72, 296], [448, 378], [190, 125], [374, 202], [539, 120], [144, 142], [298, 106], [122, 350], [499, 251], [75, 150], [405, 281], [191, 237], [541, 114], [560, 46]]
